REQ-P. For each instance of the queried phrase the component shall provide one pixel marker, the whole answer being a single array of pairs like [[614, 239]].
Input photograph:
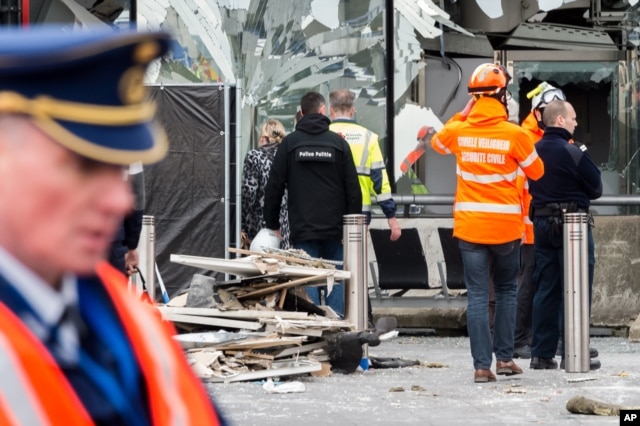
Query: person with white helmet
[[534, 127], [540, 97]]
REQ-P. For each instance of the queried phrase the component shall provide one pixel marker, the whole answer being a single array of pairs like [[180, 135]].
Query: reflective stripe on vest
[[435, 141], [383, 197], [529, 160], [44, 395], [465, 206], [486, 179], [33, 390], [15, 393], [365, 151]]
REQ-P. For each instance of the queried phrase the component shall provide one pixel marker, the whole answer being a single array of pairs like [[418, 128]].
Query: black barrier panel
[[185, 191]]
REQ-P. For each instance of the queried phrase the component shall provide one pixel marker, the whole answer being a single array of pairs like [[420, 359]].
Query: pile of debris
[[262, 324]]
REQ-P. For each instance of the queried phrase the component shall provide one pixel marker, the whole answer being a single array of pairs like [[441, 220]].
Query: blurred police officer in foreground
[[75, 347]]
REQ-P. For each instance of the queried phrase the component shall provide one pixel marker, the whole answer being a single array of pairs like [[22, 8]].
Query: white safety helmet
[[547, 94], [265, 239]]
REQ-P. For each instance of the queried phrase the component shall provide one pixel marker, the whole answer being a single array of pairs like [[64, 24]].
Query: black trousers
[[526, 291]]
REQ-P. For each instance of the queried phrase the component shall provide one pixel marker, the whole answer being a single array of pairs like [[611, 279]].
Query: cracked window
[[276, 51], [605, 97]]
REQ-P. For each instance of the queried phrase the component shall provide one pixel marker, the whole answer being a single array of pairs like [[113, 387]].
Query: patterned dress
[[257, 165]]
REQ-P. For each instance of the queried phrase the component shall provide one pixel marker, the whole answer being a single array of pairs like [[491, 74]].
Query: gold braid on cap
[[45, 111], [46, 107]]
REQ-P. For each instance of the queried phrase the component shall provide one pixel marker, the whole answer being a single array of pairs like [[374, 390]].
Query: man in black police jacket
[[571, 179], [317, 168]]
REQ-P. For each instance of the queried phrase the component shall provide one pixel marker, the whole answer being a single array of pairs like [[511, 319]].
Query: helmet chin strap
[[501, 96]]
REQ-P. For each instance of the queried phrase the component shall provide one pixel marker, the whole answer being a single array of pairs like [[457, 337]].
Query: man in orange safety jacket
[[76, 348], [488, 212]]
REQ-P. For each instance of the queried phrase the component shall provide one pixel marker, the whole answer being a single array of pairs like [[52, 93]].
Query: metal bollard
[[355, 253], [576, 292], [147, 254]]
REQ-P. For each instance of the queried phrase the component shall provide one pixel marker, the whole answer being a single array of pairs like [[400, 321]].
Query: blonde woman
[[257, 165]]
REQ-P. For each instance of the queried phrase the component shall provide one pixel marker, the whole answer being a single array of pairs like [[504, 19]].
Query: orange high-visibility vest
[[489, 150], [530, 125], [35, 391]]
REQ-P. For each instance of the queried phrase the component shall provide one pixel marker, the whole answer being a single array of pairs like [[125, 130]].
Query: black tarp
[[185, 191]]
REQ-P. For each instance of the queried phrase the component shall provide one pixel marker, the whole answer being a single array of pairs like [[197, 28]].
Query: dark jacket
[[570, 175], [316, 167]]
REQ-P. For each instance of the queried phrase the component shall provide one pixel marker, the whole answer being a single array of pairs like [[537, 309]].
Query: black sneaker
[[523, 352], [594, 364], [543, 363]]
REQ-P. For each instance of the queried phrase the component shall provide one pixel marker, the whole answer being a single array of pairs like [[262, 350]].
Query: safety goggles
[[551, 95]]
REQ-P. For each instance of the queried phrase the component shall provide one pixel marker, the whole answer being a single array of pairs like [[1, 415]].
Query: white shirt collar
[[45, 300]]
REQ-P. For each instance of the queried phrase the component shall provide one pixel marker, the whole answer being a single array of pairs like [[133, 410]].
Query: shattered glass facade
[[272, 51], [626, 156], [276, 50]]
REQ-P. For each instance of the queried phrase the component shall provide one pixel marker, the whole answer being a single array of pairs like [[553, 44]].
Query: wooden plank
[[245, 267], [286, 329], [276, 256], [261, 343], [279, 369], [276, 287], [300, 349], [249, 354], [318, 322], [216, 322], [244, 313], [283, 295]]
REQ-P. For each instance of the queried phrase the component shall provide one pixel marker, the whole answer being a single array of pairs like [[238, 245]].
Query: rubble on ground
[[262, 324]]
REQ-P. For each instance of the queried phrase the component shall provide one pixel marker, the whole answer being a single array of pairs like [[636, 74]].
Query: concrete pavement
[[440, 391]]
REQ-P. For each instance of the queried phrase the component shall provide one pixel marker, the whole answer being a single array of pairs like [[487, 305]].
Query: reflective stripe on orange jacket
[[489, 150], [34, 390], [530, 125]]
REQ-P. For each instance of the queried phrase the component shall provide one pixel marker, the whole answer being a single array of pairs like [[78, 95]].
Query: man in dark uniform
[[570, 181], [317, 168], [123, 254]]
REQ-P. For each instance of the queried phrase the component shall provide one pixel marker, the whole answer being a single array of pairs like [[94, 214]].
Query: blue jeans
[[505, 260], [548, 303], [330, 250]]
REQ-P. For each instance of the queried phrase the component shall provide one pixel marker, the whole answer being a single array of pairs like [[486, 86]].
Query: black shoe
[[594, 364], [523, 352], [543, 363], [593, 352]]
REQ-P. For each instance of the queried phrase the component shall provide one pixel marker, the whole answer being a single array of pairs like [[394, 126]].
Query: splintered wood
[[261, 324]]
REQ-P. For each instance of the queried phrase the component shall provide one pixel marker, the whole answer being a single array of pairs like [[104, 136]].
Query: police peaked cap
[[85, 89]]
